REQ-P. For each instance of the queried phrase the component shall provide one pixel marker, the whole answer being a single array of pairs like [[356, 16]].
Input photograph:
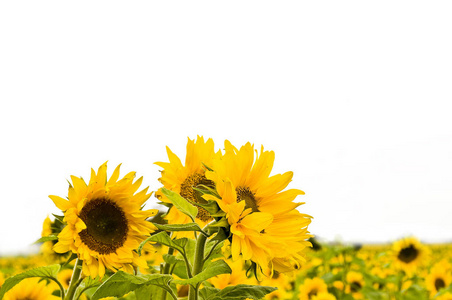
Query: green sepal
[[221, 235], [206, 190], [48, 272], [181, 203], [44, 239], [208, 168], [59, 218], [223, 222]]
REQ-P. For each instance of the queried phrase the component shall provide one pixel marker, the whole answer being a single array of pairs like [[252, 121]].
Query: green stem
[[61, 287], [166, 270], [198, 263], [74, 279]]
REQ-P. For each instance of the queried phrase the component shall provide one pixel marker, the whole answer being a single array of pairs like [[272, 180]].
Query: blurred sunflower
[[445, 296], [105, 222], [324, 296], [51, 227], [237, 276], [31, 289], [64, 277], [355, 282], [278, 231], [312, 287], [183, 178], [408, 254], [438, 278]]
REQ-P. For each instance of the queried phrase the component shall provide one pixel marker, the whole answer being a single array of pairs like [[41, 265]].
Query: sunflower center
[[408, 254], [312, 293], [245, 194], [439, 284], [187, 191], [355, 286], [106, 226]]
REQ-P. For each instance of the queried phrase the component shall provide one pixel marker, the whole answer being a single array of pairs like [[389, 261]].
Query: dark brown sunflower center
[[106, 226], [408, 254], [245, 194], [312, 293], [439, 284], [355, 286], [187, 191]]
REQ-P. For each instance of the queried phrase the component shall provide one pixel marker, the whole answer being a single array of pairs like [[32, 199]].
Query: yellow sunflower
[[324, 296], [445, 296], [64, 277], [237, 276], [30, 289], [182, 178], [48, 228], [278, 230], [105, 223], [311, 288], [438, 278], [408, 254], [355, 282]]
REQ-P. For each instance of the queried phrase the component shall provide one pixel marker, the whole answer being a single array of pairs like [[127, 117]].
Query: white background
[[352, 96]]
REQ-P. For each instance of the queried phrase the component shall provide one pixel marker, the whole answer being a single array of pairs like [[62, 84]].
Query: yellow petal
[[60, 202]]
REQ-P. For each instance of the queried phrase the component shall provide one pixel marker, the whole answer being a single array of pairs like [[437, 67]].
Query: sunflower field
[[229, 230]]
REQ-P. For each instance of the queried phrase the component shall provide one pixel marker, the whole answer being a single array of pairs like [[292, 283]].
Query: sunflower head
[[311, 288], [50, 227], [105, 221], [408, 254], [265, 224], [184, 178], [31, 289], [438, 278]]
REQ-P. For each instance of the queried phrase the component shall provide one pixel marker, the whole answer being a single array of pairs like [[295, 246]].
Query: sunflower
[[408, 254], [324, 296], [64, 277], [311, 288], [445, 296], [183, 178], [30, 289], [51, 227], [105, 222], [278, 230], [437, 279], [355, 282], [237, 276]]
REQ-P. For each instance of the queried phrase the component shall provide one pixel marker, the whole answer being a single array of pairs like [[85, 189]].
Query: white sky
[[352, 96]]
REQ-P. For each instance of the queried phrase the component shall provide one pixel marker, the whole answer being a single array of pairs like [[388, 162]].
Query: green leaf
[[415, 292], [171, 259], [49, 272], [329, 277], [372, 294], [46, 239], [207, 292], [181, 203], [242, 291], [223, 222], [164, 239], [215, 268], [87, 283], [122, 283], [178, 227]]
